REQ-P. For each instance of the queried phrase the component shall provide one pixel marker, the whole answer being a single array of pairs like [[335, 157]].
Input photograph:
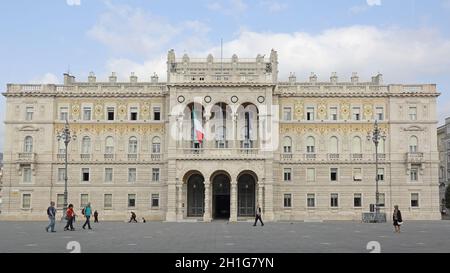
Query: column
[[235, 133], [180, 212], [268, 202], [171, 203], [233, 202], [260, 196], [207, 213]]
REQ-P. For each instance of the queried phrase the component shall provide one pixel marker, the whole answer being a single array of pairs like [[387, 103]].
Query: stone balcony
[[332, 157], [26, 158], [414, 157], [220, 153]]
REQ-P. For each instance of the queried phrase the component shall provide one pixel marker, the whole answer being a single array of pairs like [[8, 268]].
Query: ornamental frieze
[[323, 129], [119, 129]]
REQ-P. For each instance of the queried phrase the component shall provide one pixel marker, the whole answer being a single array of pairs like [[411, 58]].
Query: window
[[334, 174], [287, 145], [356, 113], [28, 145], [86, 145], [85, 175], [61, 174], [84, 200], [157, 113], [310, 145], [61, 147], [357, 200], [334, 200], [356, 145], [109, 145], [380, 174], [412, 113], [334, 145], [287, 200], [414, 174], [310, 113], [60, 201], [379, 112], [381, 199], [132, 145], [414, 200], [133, 113], [64, 113], [108, 175], [287, 174], [29, 113], [287, 113], [131, 175], [381, 146], [107, 201], [357, 174], [87, 113], [155, 200], [311, 200], [110, 113], [156, 145], [26, 201], [131, 200], [155, 174], [26, 175], [310, 175], [413, 141], [441, 172], [333, 113]]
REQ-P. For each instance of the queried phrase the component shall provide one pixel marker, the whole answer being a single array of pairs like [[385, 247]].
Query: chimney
[[355, 78], [292, 78], [113, 78], [91, 78], [313, 78], [378, 79], [133, 78], [334, 78], [154, 78]]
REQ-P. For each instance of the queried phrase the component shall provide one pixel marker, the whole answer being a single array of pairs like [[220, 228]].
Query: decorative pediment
[[413, 128], [28, 128]]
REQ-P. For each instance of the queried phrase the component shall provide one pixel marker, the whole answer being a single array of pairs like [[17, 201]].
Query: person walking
[[95, 216], [133, 217], [70, 216], [51, 213], [397, 219], [258, 215], [87, 213]]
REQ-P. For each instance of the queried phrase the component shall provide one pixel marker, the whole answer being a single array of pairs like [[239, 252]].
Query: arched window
[[381, 146], [132, 145], [221, 134], [156, 145], [310, 145], [356, 145], [287, 145], [86, 145], [334, 145], [28, 145], [109, 145], [413, 142]]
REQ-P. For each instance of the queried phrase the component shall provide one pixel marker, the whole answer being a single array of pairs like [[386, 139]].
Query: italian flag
[[198, 128]]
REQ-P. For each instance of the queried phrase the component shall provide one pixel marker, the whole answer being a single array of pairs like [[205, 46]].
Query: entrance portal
[[246, 195], [221, 197], [195, 196]]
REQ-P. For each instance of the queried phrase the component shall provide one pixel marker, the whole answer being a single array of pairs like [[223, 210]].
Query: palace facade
[[218, 137]]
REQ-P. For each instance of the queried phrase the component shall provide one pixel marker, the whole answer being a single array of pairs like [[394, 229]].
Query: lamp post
[[65, 136], [376, 135]]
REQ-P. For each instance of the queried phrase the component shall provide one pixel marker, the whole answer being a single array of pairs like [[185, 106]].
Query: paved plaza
[[224, 237]]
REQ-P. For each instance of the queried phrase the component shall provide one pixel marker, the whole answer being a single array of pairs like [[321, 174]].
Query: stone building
[[218, 137], [443, 136]]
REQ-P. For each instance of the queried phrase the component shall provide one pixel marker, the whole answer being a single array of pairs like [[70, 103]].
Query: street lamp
[[376, 135], [65, 136]]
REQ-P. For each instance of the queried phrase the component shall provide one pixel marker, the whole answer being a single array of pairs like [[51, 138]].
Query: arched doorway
[[195, 195], [246, 195], [221, 196]]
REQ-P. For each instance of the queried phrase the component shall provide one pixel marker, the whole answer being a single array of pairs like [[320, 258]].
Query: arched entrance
[[221, 196], [246, 194], [195, 195]]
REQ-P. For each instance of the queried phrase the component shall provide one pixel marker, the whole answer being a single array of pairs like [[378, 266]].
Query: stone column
[[268, 202], [207, 213], [233, 202], [180, 212], [235, 133], [260, 196]]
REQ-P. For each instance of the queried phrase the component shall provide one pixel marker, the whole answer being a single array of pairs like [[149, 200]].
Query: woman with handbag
[[397, 218]]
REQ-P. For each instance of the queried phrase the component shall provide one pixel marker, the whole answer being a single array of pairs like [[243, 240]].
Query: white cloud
[[374, 2], [274, 6], [47, 78], [73, 2], [230, 7]]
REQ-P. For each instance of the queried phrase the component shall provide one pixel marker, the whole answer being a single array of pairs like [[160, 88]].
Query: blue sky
[[406, 40]]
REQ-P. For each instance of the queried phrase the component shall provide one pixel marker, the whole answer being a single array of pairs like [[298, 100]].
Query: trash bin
[[372, 207]]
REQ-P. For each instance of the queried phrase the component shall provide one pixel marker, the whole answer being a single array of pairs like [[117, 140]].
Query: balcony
[[26, 157], [414, 157], [286, 156], [156, 157], [333, 156], [132, 157], [310, 156], [60, 156], [356, 156], [109, 156], [222, 153], [85, 156], [381, 157]]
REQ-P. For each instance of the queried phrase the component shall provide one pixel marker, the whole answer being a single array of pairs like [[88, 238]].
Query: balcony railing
[[310, 156], [357, 156], [61, 156], [85, 156], [109, 156], [414, 157], [381, 157], [333, 156], [156, 157], [220, 153], [26, 157], [286, 156], [132, 156]]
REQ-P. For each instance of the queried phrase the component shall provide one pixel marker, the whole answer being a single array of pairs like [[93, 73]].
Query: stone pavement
[[224, 237]]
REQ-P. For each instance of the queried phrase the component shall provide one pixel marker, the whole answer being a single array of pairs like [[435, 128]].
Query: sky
[[408, 41]]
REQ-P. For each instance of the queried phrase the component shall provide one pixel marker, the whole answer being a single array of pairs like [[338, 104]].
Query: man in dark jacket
[[397, 219], [258, 215], [51, 213]]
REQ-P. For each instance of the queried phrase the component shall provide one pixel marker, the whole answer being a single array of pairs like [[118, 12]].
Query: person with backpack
[[70, 216], [87, 211], [51, 213]]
